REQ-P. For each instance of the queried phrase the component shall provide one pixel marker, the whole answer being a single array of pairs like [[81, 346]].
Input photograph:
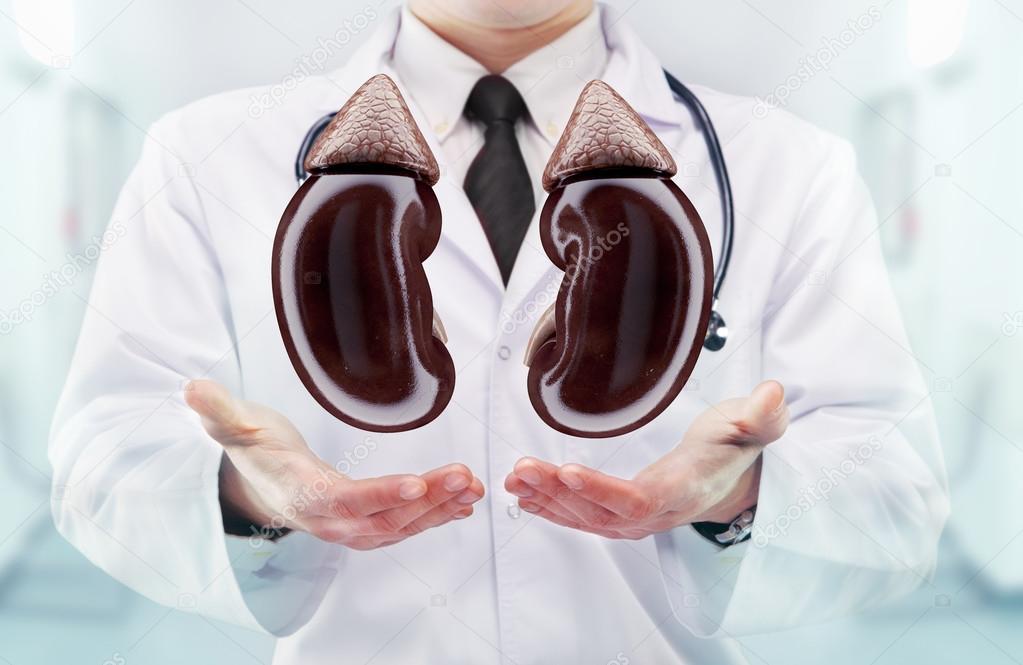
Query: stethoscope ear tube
[[307, 144], [717, 330]]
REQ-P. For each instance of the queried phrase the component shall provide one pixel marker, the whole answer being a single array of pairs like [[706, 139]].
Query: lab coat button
[[513, 511], [504, 353]]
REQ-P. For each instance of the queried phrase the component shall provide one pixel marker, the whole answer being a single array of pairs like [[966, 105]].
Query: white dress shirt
[[549, 80], [852, 498]]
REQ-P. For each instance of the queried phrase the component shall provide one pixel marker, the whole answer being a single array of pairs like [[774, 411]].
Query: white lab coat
[[185, 293]]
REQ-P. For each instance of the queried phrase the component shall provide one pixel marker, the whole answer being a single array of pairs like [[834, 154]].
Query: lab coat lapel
[[533, 275], [368, 60], [461, 227], [635, 72]]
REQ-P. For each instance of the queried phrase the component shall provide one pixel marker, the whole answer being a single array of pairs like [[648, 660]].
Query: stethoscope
[[717, 330]]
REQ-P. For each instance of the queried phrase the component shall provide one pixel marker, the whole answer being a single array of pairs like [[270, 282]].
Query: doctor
[[192, 465]]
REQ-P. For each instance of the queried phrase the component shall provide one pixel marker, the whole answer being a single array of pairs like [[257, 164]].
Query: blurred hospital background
[[929, 91]]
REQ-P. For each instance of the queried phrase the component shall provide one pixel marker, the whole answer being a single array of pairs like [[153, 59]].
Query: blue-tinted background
[[930, 92]]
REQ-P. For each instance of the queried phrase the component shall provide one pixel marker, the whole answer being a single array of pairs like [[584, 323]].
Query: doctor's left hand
[[271, 480], [711, 476]]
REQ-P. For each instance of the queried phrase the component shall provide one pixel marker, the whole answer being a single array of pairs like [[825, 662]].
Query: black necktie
[[497, 182]]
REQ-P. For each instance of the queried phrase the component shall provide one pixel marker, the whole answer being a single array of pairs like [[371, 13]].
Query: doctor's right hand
[[270, 479]]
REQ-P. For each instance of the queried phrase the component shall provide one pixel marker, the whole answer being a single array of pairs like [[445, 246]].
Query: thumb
[[766, 415], [222, 414]]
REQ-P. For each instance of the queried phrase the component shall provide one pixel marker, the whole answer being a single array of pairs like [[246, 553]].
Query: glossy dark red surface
[[353, 302], [633, 308]]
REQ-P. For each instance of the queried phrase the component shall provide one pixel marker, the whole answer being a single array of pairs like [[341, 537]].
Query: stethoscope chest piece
[[717, 332]]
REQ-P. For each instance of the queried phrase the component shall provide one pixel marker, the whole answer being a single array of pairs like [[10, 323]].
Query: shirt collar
[[631, 69], [549, 79]]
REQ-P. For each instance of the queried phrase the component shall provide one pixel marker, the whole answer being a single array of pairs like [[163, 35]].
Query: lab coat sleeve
[[135, 485], [853, 497]]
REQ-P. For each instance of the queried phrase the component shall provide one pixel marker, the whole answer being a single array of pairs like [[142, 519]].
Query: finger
[[584, 508], [519, 488], [354, 499], [341, 532], [542, 477], [539, 475], [532, 478], [454, 482], [441, 484], [622, 497], [365, 543], [361, 533], [538, 481], [766, 414], [547, 514], [221, 414], [449, 511]]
